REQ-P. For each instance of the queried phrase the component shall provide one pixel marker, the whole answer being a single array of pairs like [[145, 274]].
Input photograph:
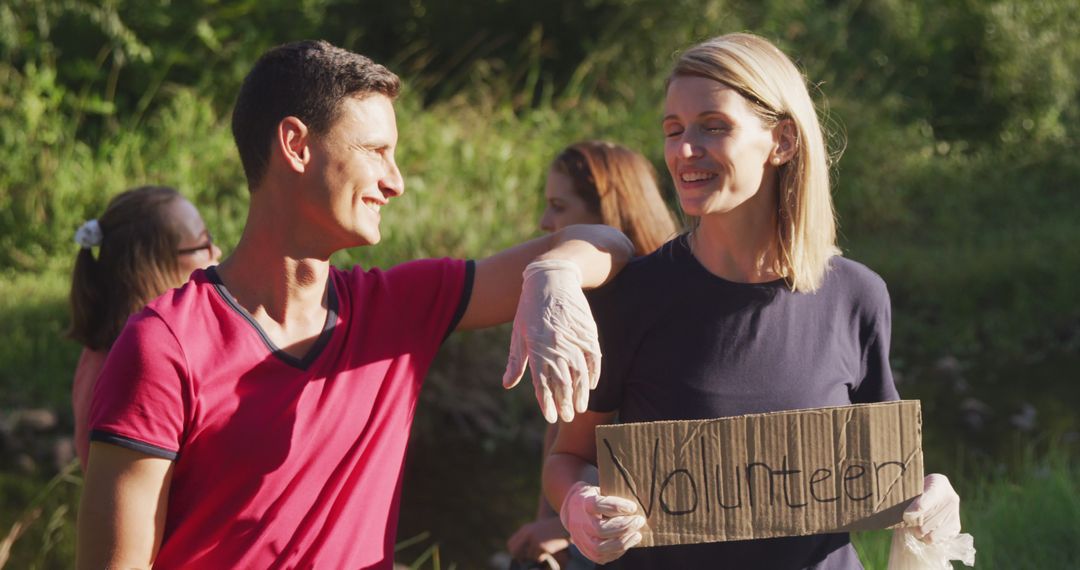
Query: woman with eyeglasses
[[148, 240]]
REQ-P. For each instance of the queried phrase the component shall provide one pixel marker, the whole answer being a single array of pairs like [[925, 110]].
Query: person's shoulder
[[416, 269], [653, 267], [408, 282], [183, 313], [642, 278], [186, 297], [856, 280], [852, 272], [148, 330]]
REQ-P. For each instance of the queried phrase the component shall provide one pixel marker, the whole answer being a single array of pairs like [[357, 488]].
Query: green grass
[[37, 361], [1029, 521], [1024, 516], [37, 520], [1021, 517]]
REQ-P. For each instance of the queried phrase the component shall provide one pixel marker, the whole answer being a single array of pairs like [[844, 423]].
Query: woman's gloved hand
[[934, 515], [932, 538], [603, 528], [555, 335]]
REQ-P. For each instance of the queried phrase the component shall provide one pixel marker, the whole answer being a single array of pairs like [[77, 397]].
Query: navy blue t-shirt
[[680, 343]]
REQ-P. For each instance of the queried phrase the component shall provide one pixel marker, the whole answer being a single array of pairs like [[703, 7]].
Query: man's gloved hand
[[603, 528], [554, 333]]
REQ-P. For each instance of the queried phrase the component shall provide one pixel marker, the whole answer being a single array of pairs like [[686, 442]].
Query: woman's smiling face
[[716, 147]]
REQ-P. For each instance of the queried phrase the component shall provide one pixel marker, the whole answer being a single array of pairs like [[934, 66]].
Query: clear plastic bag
[[910, 553]]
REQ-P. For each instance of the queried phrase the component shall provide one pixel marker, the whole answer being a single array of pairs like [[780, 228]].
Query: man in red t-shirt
[[257, 417]]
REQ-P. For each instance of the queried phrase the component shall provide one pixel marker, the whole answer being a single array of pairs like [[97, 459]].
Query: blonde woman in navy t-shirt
[[754, 310]]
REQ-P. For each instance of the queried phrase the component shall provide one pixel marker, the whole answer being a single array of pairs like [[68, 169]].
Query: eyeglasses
[[208, 246]]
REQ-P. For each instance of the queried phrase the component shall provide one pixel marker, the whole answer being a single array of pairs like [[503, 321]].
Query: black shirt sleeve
[[876, 380]]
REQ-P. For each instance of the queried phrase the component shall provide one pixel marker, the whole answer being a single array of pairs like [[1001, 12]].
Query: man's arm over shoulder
[[599, 252]]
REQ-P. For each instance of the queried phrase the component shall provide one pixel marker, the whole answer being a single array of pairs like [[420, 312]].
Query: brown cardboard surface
[[765, 475]]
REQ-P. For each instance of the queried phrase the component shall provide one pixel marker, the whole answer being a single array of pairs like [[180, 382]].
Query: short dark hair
[[136, 262], [306, 80]]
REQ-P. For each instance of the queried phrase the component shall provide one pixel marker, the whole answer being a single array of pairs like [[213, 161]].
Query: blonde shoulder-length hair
[[776, 90]]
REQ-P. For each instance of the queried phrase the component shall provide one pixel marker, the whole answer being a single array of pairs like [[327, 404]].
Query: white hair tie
[[89, 234]]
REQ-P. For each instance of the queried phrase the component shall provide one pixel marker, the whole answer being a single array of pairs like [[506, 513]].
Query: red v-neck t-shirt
[[280, 462]]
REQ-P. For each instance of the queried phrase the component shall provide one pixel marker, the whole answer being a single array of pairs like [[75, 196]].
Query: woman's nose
[[687, 149], [547, 221]]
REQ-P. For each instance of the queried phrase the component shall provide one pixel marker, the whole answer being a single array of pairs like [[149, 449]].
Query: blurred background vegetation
[[957, 124]]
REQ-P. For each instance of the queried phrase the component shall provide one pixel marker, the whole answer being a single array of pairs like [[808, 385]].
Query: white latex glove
[[554, 333], [933, 537], [934, 515], [603, 528]]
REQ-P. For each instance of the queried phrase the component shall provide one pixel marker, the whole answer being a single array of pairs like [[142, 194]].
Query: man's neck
[[278, 267], [266, 281], [285, 295]]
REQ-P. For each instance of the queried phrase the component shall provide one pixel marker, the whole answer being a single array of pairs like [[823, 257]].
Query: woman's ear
[[292, 144], [785, 142]]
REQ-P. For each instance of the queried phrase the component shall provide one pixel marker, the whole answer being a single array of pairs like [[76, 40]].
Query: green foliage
[[958, 123], [53, 181], [994, 225]]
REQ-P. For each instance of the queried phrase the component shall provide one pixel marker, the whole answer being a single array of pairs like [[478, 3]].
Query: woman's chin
[[692, 207], [702, 208]]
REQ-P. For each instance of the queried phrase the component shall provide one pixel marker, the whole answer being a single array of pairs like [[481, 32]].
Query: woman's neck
[[738, 247]]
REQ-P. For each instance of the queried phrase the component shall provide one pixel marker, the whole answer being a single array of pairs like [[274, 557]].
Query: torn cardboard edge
[[766, 475]]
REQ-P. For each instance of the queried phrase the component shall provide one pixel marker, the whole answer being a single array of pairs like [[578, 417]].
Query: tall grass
[[37, 360], [1025, 516], [37, 521]]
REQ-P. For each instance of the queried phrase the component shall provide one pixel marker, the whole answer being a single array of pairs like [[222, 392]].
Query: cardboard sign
[[765, 475]]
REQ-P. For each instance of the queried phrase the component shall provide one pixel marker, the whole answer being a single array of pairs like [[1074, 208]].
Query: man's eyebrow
[[370, 143]]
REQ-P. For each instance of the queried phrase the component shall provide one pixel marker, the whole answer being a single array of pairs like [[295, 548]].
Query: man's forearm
[[600, 252]]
